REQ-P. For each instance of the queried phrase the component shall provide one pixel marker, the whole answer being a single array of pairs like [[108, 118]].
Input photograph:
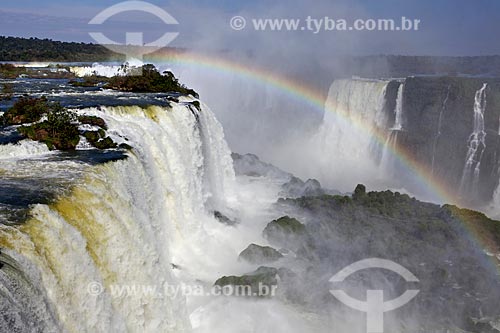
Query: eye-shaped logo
[[134, 47], [375, 307]]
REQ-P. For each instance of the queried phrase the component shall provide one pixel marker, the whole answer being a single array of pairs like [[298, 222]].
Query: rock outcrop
[[256, 254]]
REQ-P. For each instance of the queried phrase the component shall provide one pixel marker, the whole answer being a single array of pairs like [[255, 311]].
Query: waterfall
[[439, 128], [387, 164], [354, 111], [123, 223], [398, 111], [476, 145]]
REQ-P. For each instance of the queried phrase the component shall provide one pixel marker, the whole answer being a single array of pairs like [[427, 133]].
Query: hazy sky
[[448, 27]]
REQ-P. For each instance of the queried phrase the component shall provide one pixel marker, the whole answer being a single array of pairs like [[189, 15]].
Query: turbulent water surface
[[178, 209]]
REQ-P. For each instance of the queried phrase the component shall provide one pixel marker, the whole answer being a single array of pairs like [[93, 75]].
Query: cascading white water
[[476, 144], [439, 128], [387, 163], [103, 70], [398, 111], [25, 148], [126, 223], [354, 110]]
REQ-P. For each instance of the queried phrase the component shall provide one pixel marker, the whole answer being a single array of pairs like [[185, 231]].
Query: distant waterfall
[[476, 145], [124, 223], [398, 111], [387, 164], [439, 128], [347, 151]]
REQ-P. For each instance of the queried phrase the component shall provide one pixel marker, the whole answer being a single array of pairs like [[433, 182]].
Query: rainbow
[[316, 100], [313, 98]]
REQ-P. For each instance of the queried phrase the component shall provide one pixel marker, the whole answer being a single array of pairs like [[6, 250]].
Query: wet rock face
[[224, 219], [254, 281], [438, 120], [296, 188], [256, 254], [284, 230]]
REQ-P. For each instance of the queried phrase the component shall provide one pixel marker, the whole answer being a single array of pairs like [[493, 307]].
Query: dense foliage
[[149, 80], [26, 110], [10, 71], [58, 131], [34, 49], [54, 125]]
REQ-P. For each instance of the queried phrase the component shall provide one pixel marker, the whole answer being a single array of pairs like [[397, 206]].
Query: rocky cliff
[[448, 125], [451, 125]]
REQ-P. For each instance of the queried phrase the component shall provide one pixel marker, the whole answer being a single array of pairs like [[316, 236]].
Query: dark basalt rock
[[263, 276], [256, 254], [251, 165], [93, 120], [125, 146], [224, 219], [197, 105], [297, 188], [106, 143]]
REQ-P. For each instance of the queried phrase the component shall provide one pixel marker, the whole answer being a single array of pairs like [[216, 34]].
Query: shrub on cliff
[[26, 110], [9, 71], [252, 282], [59, 131], [149, 80]]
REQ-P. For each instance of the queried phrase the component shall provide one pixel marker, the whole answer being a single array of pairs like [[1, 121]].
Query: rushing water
[[83, 220], [76, 226], [476, 145]]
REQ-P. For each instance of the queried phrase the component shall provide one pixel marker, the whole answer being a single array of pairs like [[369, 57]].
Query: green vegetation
[[26, 110], [149, 80], [285, 224], [9, 71], [146, 79], [285, 230], [263, 275], [484, 228], [34, 49], [365, 210], [105, 143], [93, 121], [60, 129], [359, 192]]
